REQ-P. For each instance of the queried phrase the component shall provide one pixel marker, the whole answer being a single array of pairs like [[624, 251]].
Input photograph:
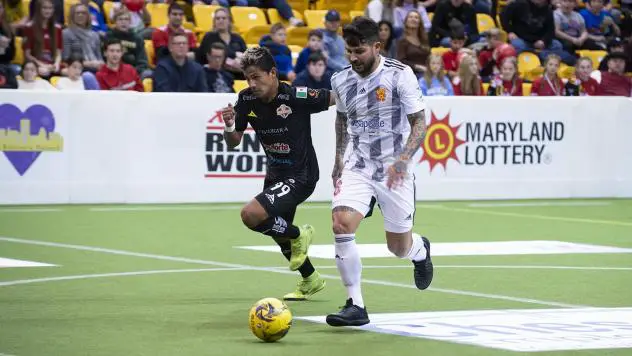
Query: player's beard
[[365, 68]]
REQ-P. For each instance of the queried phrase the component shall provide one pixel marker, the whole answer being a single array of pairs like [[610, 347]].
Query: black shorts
[[281, 197]]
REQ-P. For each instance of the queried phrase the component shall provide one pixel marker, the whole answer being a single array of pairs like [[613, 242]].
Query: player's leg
[[352, 201], [398, 208]]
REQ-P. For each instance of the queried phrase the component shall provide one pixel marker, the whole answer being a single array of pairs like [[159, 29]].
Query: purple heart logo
[[24, 129]]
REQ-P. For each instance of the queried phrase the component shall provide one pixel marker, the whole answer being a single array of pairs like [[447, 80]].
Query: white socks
[[350, 266], [417, 250]]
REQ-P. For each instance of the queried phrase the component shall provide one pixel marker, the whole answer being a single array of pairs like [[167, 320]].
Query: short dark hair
[[175, 34], [259, 57], [217, 45], [315, 33], [276, 27], [74, 58], [111, 41], [316, 57], [362, 30], [174, 6]]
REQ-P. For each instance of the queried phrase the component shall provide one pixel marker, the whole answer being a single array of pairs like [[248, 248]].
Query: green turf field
[[195, 295]]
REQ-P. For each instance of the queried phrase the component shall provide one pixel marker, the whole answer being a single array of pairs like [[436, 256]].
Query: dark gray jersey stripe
[[396, 118], [356, 149]]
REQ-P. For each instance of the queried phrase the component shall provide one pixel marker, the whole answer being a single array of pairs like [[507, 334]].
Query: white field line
[[1, 354], [268, 269], [536, 204], [29, 210], [580, 268]]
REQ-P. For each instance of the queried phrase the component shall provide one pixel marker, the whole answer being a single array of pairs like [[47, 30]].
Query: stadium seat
[[255, 33], [315, 18], [296, 50], [484, 22], [528, 63], [298, 5], [107, 12], [596, 56], [439, 50], [67, 5], [343, 7], [149, 50], [203, 15], [355, 13], [566, 71], [430, 16], [247, 17], [251, 45], [26, 6], [485, 88], [53, 80], [526, 89], [19, 52], [240, 85], [360, 5], [500, 24], [274, 17], [148, 85], [158, 13], [298, 36]]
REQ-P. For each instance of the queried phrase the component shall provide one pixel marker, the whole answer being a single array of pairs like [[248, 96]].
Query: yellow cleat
[[299, 246], [306, 287]]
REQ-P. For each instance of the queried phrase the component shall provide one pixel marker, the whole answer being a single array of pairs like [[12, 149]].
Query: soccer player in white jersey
[[380, 125]]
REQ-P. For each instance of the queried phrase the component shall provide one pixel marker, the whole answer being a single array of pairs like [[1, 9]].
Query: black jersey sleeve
[[241, 113], [312, 100]]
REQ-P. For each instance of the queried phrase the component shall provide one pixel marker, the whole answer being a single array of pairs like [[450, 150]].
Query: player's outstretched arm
[[342, 138], [398, 170], [232, 137]]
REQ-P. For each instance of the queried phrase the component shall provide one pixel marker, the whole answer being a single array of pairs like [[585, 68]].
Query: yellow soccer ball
[[270, 319]]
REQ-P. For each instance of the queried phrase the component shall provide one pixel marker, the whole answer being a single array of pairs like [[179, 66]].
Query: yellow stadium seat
[[500, 24], [595, 56], [148, 85], [485, 88], [203, 15], [315, 18], [439, 50], [149, 50], [67, 5], [19, 51], [528, 63], [566, 71], [251, 45], [25, 6], [53, 81], [295, 48], [298, 36], [484, 22], [158, 13], [430, 16], [343, 7], [298, 5], [360, 5], [274, 17], [107, 12], [355, 13], [526, 89], [247, 17], [255, 33], [240, 85]]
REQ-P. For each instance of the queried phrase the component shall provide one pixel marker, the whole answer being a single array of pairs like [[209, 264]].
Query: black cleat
[[424, 269], [349, 315]]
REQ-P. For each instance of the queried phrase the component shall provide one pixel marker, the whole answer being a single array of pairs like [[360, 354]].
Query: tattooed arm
[[398, 170], [342, 138]]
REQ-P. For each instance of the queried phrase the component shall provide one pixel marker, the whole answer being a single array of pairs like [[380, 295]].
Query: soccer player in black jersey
[[280, 116]]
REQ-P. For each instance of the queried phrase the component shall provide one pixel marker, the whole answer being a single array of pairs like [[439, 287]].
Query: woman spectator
[[413, 49], [80, 40], [468, 82], [549, 84], [74, 80], [508, 82], [582, 84], [404, 7], [435, 81], [222, 32], [44, 40], [387, 38], [30, 79]]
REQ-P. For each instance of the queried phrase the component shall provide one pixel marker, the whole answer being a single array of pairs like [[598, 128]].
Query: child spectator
[[79, 39], [140, 17], [508, 83], [160, 36], [133, 45], [614, 82], [468, 81], [435, 82], [599, 23], [30, 79], [178, 73], [494, 54], [582, 84], [316, 76], [387, 39], [44, 40], [413, 49], [314, 44], [218, 79], [570, 29], [116, 75], [403, 8], [457, 40], [74, 80], [276, 43], [549, 84]]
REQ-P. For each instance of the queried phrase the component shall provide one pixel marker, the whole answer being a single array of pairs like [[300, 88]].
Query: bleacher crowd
[[456, 47]]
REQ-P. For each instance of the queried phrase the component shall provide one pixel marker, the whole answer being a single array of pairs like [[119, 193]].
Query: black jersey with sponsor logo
[[283, 128]]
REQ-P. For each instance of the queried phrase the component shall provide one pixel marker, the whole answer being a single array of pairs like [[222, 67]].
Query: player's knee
[[249, 217], [397, 249], [341, 225]]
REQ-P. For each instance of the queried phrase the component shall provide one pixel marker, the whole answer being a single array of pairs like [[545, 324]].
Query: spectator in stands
[[614, 82], [79, 39], [435, 82], [334, 44], [133, 45], [30, 80], [404, 7], [453, 15], [599, 23], [282, 6], [276, 43], [380, 10], [15, 14], [508, 82], [177, 73], [58, 10], [413, 49], [614, 12], [495, 51], [582, 84], [140, 17], [223, 32], [116, 75], [570, 29], [468, 82], [97, 20], [549, 84], [316, 76], [387, 39], [160, 36], [314, 44], [7, 40], [43, 40], [218, 80], [450, 63], [616, 45], [531, 27], [73, 80]]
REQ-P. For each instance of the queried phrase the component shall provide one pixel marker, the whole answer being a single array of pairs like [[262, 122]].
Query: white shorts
[[398, 205]]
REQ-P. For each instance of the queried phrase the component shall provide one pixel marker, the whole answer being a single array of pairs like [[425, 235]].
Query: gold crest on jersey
[[380, 94]]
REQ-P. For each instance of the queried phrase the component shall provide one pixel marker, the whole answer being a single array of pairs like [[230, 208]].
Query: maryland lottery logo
[[481, 143]]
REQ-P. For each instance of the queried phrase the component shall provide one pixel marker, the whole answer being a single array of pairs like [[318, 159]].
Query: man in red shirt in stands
[[114, 74], [582, 84], [614, 82], [450, 61], [160, 36]]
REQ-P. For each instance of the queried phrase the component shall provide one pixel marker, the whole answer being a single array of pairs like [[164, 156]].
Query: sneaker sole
[[334, 320]]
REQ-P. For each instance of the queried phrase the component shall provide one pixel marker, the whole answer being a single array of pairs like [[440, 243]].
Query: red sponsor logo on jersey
[[277, 147]]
